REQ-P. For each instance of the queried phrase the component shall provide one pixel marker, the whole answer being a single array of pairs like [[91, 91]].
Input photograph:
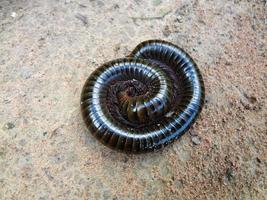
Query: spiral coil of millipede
[[144, 101]]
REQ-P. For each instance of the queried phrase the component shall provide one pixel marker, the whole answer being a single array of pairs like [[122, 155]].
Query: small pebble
[[229, 174], [9, 125], [179, 19], [14, 15], [258, 160], [166, 31], [195, 140]]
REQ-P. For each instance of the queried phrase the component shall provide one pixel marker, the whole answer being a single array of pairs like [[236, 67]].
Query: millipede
[[144, 101]]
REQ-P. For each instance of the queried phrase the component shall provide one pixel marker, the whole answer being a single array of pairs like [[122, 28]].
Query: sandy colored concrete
[[48, 49]]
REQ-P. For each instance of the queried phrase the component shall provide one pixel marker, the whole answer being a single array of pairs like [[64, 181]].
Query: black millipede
[[144, 101]]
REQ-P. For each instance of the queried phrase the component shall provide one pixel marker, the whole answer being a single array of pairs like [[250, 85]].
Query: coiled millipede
[[144, 101]]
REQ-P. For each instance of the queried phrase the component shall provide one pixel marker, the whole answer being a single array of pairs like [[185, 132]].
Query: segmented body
[[144, 101]]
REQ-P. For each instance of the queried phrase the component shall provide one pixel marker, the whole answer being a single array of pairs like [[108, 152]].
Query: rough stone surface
[[49, 49]]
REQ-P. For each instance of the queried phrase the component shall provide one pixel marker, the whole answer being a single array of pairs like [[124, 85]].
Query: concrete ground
[[48, 49]]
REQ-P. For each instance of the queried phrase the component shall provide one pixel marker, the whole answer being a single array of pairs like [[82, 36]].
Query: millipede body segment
[[144, 101]]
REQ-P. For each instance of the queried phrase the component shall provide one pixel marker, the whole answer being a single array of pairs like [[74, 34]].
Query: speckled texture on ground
[[48, 49]]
